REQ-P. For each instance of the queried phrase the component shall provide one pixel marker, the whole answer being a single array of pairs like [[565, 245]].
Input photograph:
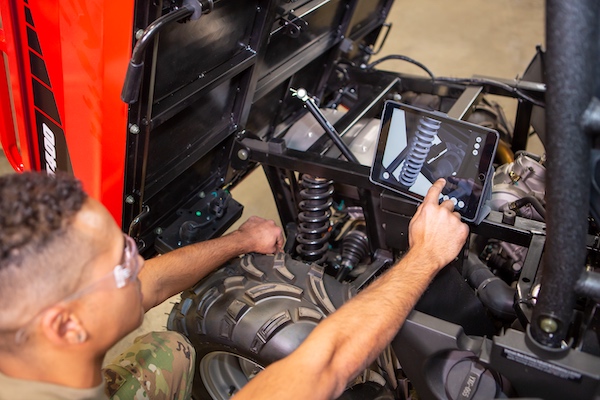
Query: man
[[69, 290], [67, 331]]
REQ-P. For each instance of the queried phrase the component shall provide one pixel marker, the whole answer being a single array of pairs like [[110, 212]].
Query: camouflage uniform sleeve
[[159, 365]]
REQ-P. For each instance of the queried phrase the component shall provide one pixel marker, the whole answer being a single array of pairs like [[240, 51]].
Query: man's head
[[59, 251]]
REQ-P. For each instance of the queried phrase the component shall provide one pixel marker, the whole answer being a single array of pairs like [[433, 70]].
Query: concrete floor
[[452, 38]]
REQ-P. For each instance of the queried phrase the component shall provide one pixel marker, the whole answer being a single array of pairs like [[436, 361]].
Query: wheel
[[222, 370], [249, 313]]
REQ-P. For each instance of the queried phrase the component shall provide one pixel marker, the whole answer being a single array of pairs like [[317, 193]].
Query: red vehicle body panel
[[66, 66]]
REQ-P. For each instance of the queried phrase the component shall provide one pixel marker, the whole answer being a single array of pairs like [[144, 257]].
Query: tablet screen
[[416, 147]]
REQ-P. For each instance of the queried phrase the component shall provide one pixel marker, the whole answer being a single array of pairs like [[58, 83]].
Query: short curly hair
[[33, 208], [36, 211]]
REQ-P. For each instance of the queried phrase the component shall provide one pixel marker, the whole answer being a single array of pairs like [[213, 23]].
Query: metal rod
[[310, 105]]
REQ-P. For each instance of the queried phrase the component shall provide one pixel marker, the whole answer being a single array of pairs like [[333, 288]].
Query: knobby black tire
[[257, 308]]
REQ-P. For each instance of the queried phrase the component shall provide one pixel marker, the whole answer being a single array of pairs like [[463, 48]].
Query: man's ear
[[62, 326]]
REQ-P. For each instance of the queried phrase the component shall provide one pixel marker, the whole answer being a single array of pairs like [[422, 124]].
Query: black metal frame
[[153, 192]]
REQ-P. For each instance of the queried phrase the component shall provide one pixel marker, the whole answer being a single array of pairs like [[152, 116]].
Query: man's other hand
[[436, 231], [261, 236]]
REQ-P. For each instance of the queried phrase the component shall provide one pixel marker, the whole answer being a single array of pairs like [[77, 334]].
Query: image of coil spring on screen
[[417, 147]]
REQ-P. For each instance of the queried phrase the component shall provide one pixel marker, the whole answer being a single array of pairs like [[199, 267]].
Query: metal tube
[[312, 107], [133, 77], [571, 40], [330, 130]]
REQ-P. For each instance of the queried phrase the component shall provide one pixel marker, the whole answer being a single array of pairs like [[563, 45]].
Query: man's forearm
[[346, 342], [364, 326], [171, 273], [164, 276]]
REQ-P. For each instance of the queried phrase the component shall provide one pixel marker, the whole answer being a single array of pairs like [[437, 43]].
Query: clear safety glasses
[[122, 274]]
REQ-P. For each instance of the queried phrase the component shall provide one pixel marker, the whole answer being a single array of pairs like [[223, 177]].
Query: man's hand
[[436, 231], [261, 236]]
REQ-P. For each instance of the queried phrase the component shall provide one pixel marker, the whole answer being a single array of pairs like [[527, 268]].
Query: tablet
[[416, 147]]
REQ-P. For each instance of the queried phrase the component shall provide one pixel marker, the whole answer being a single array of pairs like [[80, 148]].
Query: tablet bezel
[[482, 175]]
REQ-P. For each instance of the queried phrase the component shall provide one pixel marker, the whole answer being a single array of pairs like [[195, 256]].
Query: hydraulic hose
[[494, 293], [523, 201]]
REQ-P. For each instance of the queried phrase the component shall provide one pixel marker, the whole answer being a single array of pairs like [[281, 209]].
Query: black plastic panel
[[278, 105], [202, 218], [188, 50], [317, 20], [178, 143], [202, 175], [367, 12]]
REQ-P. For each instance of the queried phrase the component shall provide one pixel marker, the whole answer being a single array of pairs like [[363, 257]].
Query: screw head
[[134, 129], [129, 199], [158, 230], [548, 325], [139, 33], [243, 154]]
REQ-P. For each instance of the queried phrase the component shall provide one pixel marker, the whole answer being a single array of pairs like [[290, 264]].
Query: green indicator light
[[198, 213]]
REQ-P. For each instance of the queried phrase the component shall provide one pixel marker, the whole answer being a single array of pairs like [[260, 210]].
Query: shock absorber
[[418, 150], [354, 248], [313, 228]]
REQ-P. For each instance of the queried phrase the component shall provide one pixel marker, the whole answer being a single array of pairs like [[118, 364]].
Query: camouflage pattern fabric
[[159, 365]]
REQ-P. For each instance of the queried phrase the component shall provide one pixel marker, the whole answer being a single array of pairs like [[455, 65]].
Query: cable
[[491, 82], [464, 81], [402, 58]]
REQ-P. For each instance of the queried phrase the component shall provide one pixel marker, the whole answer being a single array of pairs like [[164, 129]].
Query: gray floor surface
[[452, 38]]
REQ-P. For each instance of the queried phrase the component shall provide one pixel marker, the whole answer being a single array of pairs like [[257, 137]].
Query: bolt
[[202, 195], [129, 199], [134, 129], [548, 325], [138, 34], [243, 154], [158, 230]]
